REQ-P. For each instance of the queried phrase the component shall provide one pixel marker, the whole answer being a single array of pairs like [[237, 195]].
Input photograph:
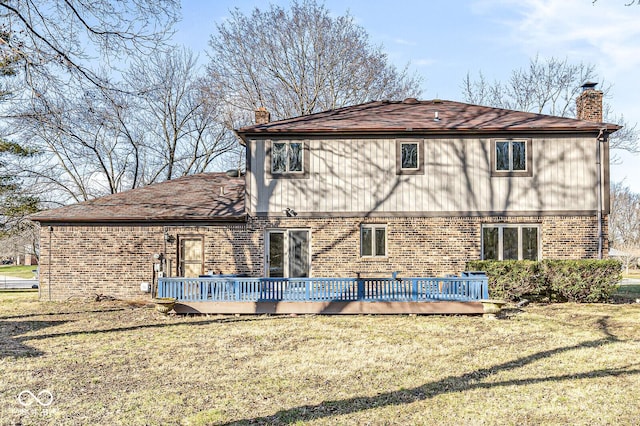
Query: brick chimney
[[589, 103], [262, 116]]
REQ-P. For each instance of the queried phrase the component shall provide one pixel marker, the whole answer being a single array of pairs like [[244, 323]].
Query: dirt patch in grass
[[115, 363]]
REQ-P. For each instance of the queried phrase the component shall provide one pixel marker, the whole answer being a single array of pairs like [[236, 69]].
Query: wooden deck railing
[[240, 289]]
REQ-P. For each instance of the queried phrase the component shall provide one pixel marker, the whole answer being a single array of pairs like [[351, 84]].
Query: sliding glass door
[[287, 253]]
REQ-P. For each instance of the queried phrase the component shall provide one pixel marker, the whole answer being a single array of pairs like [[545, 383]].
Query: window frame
[[409, 171], [527, 172], [302, 174], [373, 227], [287, 245], [500, 249]]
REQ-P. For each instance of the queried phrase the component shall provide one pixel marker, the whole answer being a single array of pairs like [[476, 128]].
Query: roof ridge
[[411, 114]]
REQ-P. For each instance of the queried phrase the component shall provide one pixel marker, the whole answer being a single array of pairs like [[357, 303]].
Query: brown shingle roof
[[206, 197], [413, 116]]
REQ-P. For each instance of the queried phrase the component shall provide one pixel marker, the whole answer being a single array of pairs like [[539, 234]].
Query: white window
[[373, 240], [287, 157], [511, 158], [410, 156], [510, 242]]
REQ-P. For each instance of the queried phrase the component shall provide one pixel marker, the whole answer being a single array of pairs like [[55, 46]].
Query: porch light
[[290, 212]]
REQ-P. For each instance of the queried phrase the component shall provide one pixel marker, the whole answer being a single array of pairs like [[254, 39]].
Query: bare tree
[[86, 143], [52, 48], [548, 86], [91, 142], [624, 221], [300, 61], [182, 119], [59, 37]]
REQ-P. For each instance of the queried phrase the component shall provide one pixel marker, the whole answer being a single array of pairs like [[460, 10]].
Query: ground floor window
[[287, 253], [373, 240], [190, 256], [510, 242]]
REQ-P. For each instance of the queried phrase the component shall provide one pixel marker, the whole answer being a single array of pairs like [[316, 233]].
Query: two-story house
[[417, 187]]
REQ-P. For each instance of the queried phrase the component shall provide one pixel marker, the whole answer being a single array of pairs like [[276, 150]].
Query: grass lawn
[[18, 271], [108, 363], [629, 292]]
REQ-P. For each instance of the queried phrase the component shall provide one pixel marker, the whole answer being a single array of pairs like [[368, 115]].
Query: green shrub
[[551, 280], [512, 279], [582, 280]]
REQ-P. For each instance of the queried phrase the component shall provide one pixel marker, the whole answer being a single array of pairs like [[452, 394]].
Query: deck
[[239, 295]]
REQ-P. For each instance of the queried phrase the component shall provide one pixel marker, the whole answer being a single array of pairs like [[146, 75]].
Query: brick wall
[[429, 246], [87, 260], [114, 260], [589, 105]]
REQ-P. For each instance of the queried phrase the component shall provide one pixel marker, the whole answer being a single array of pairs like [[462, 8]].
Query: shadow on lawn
[[464, 382], [88, 311], [11, 345]]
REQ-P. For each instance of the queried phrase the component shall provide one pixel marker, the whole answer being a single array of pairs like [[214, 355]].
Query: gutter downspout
[[599, 141]]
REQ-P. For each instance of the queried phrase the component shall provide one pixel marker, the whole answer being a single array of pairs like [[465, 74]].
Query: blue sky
[[443, 40]]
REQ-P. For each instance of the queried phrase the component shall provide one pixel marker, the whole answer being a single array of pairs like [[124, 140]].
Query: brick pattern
[[113, 260], [589, 106], [82, 261]]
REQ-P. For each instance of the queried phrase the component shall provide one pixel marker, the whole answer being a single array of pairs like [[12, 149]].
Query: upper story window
[[511, 158], [409, 157], [289, 159], [373, 240], [286, 157]]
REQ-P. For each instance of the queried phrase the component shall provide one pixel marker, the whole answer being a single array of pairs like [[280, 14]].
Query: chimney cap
[[589, 85]]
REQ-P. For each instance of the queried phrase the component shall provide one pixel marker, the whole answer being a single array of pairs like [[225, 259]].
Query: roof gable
[[433, 116], [196, 198]]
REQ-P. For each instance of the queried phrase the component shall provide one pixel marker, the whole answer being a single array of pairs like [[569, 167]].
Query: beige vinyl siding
[[359, 176]]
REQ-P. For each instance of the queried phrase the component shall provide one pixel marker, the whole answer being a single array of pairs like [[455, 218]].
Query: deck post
[[360, 283], [414, 290], [485, 288]]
